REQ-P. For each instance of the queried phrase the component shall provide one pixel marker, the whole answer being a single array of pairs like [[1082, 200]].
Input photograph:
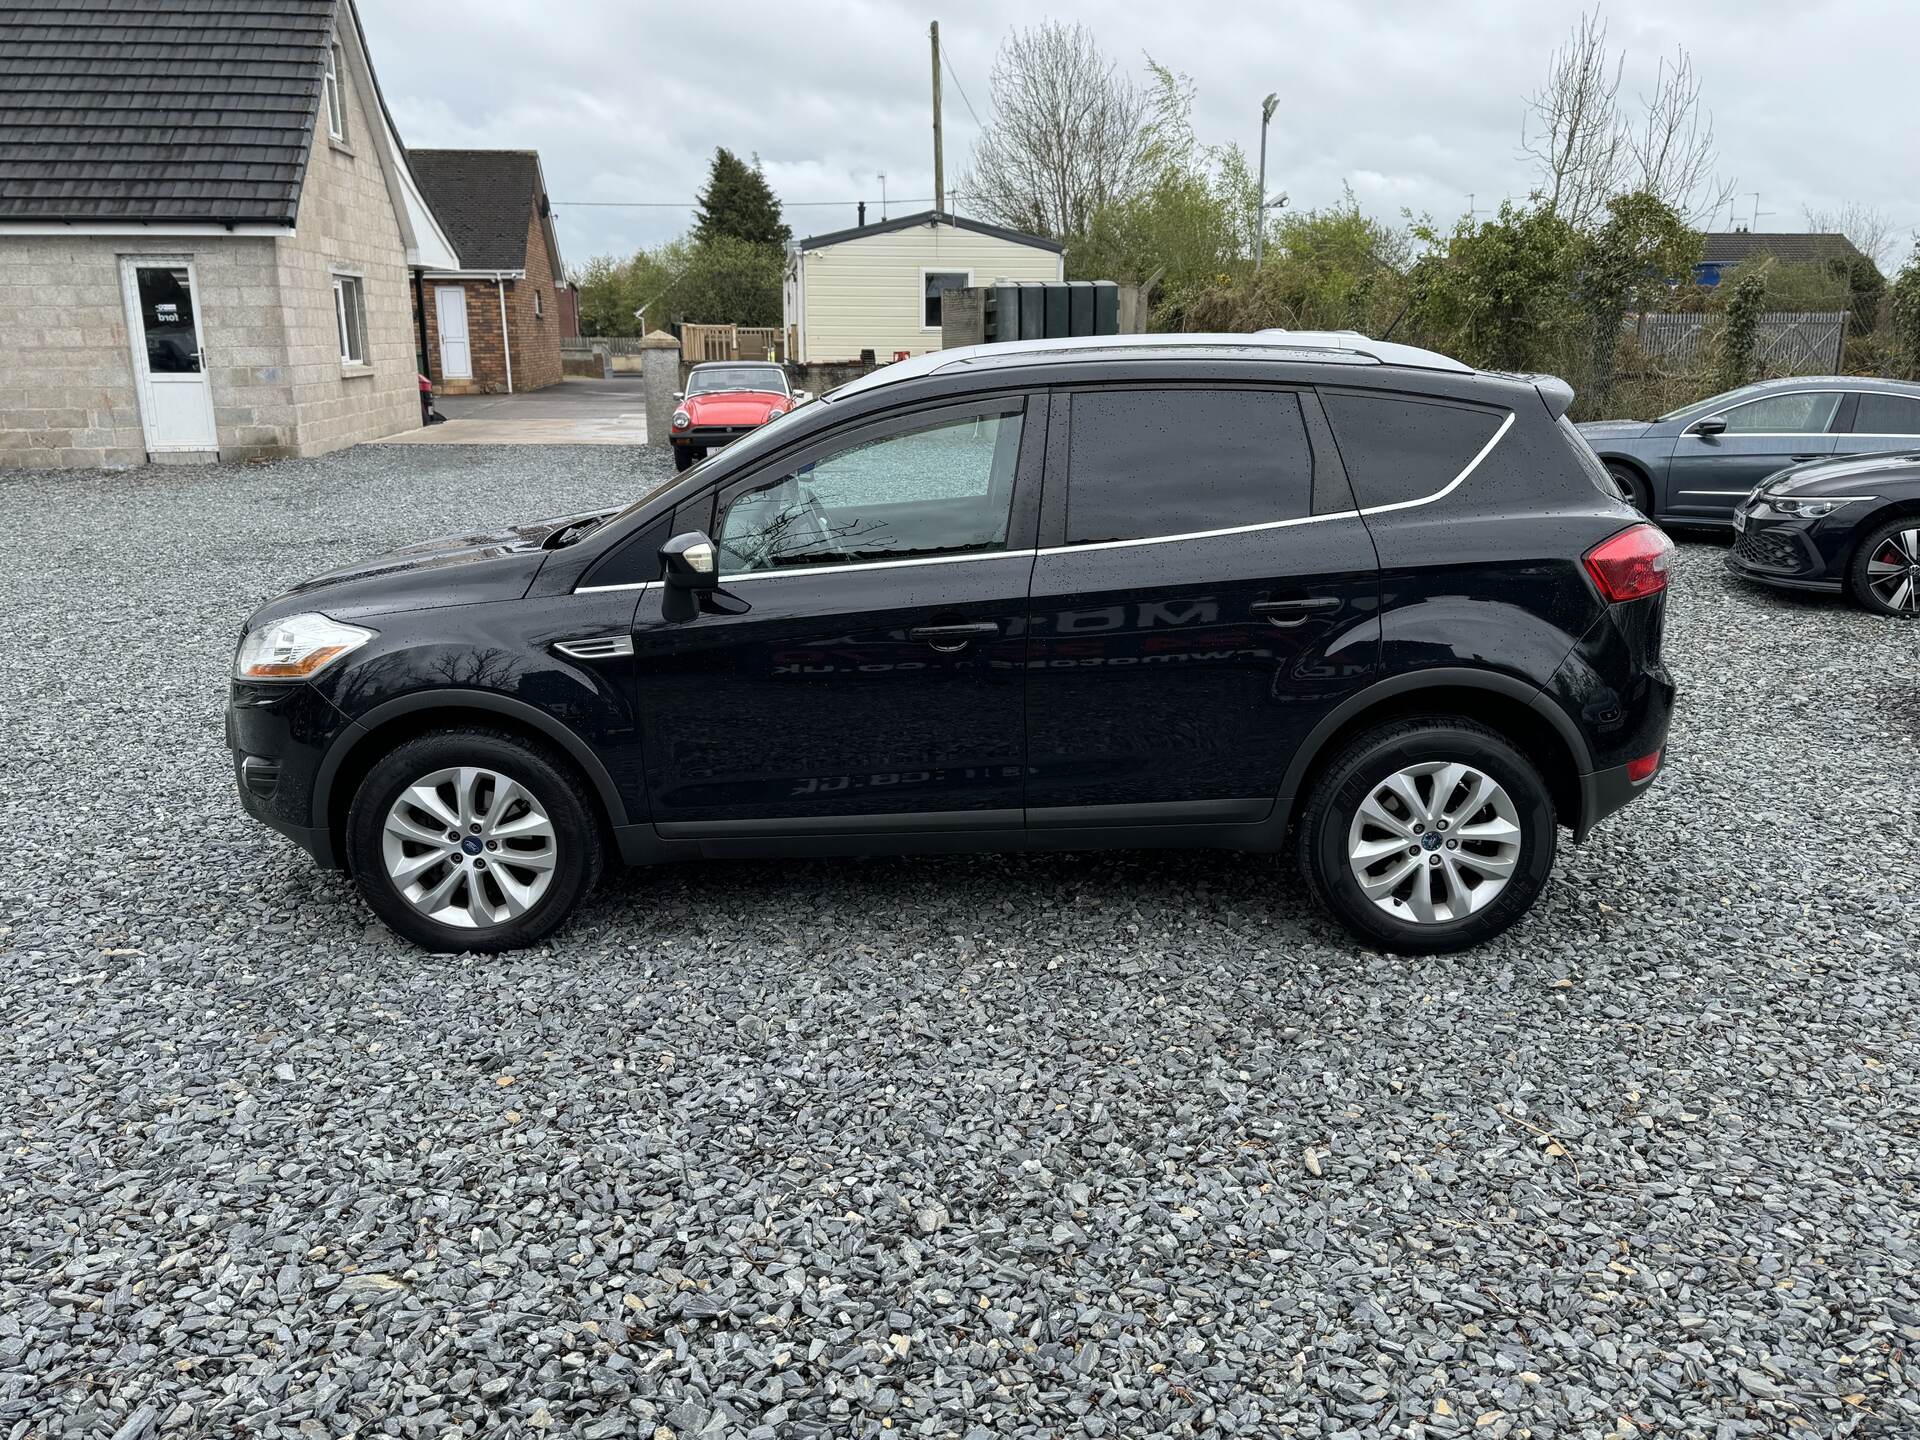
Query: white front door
[[450, 305], [169, 355]]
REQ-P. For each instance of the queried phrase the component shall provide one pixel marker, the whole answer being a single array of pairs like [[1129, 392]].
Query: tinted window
[[1887, 415], [1171, 462], [1804, 413], [1398, 449], [944, 489], [936, 283]]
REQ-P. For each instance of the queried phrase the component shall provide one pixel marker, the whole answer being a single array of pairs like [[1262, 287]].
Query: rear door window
[[1397, 448], [1887, 415], [1145, 464]]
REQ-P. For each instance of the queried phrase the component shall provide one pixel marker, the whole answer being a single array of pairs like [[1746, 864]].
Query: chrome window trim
[[1440, 494]]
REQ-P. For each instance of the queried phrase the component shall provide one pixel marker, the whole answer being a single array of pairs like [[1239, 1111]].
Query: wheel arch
[[383, 728], [1873, 519], [1520, 712], [1639, 467]]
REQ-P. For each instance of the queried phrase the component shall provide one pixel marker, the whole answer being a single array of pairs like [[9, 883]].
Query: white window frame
[[335, 97], [921, 300], [341, 280], [537, 311]]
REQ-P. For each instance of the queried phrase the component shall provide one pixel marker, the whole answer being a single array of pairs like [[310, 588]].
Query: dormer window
[[336, 106]]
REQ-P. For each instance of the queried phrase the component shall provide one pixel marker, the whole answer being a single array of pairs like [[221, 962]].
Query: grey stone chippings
[[946, 1147]]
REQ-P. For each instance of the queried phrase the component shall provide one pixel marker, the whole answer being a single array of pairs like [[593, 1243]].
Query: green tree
[[1499, 293], [1906, 317], [1629, 264], [1737, 340], [725, 281], [1189, 221], [1865, 287], [738, 204]]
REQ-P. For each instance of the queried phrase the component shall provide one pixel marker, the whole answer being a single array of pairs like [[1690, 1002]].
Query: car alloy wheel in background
[[1887, 573]]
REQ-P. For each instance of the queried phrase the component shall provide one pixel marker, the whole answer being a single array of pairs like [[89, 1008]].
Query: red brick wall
[[536, 338]]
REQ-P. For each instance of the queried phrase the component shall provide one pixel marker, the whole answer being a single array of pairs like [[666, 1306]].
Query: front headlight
[[296, 648], [1814, 506], [681, 420]]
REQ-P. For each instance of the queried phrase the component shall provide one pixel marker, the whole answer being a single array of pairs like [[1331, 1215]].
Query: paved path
[[574, 412]]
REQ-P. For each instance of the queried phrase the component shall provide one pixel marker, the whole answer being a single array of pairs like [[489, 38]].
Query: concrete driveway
[[574, 412]]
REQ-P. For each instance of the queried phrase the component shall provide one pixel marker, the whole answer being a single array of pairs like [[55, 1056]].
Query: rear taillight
[[1632, 565], [1643, 768]]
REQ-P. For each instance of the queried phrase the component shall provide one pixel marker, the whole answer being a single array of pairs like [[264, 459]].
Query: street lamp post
[[1267, 108]]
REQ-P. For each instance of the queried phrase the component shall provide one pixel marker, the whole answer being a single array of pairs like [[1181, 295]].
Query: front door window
[[1807, 412], [941, 489]]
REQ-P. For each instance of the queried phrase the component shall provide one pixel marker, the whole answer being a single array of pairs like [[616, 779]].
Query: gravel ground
[[1112, 1145]]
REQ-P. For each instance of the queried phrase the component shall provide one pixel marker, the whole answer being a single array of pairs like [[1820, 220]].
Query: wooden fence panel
[[1785, 342]]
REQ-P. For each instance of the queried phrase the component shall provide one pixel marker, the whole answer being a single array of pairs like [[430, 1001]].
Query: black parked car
[[1694, 464], [1849, 526], [1194, 591]]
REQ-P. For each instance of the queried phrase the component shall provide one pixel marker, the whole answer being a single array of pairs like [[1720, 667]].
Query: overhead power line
[[694, 204], [961, 88]]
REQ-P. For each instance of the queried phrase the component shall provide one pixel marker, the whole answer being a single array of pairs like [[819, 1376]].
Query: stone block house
[[494, 321], [207, 225]]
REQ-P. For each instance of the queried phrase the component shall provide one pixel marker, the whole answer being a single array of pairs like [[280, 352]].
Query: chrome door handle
[[1286, 614], [948, 639], [1803, 457]]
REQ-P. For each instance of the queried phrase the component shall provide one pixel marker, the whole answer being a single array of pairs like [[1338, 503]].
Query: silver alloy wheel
[[469, 847], [1893, 571], [1434, 842]]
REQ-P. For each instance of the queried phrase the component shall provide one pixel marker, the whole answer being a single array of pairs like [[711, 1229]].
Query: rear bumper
[[1602, 792]]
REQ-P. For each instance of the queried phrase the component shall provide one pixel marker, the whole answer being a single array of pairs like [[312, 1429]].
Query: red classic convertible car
[[723, 400]]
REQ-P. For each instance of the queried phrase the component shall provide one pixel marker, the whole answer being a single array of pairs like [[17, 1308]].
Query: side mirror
[[1712, 425], [691, 566], [679, 394]]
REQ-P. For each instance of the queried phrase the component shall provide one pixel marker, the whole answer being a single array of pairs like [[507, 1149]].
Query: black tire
[[1902, 533], [1633, 486], [682, 457], [546, 776], [1366, 763]]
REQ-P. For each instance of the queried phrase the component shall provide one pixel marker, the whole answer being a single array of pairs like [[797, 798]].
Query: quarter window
[[1150, 463], [935, 283], [1806, 412], [1887, 415], [943, 489], [1397, 448], [350, 311], [336, 107]]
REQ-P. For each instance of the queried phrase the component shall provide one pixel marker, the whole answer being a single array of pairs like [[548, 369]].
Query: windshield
[[704, 381]]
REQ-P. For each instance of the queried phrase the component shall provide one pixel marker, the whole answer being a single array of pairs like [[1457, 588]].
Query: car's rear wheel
[[1633, 487], [473, 840], [1885, 574], [1428, 835]]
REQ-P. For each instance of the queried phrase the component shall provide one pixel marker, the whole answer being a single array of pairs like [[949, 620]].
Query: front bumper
[[710, 437], [1788, 551], [279, 734]]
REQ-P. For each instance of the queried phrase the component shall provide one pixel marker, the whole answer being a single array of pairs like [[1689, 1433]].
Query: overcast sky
[[1415, 104]]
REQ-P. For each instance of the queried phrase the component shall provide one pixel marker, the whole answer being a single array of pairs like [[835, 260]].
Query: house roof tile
[[483, 200], [183, 110]]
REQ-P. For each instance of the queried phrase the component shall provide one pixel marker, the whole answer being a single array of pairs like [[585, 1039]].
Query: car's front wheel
[[1428, 835], [473, 840], [1886, 568]]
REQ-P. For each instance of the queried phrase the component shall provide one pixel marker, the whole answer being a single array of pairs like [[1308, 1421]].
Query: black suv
[[1237, 591]]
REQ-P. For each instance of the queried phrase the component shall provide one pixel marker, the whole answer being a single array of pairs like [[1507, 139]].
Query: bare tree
[[1868, 227], [1572, 129], [1586, 152], [1069, 133], [1672, 155]]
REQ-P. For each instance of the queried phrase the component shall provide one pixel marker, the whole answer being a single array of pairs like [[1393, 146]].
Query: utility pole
[[1267, 107], [939, 173]]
